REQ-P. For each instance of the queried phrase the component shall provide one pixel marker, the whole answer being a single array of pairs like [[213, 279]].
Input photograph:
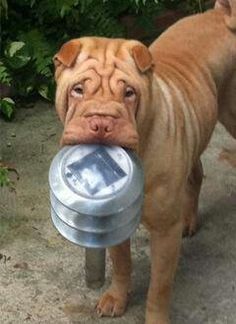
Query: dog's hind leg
[[190, 207], [228, 119], [227, 104]]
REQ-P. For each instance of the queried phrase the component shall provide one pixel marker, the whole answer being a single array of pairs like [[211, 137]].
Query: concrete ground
[[42, 274]]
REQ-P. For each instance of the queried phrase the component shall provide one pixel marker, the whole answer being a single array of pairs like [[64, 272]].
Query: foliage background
[[33, 30]]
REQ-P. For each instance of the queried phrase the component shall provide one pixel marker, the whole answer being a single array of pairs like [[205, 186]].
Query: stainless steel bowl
[[96, 194]]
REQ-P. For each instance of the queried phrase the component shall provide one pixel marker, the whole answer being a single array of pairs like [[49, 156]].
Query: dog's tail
[[229, 7]]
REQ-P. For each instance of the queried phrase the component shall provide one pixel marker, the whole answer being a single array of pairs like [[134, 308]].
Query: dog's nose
[[101, 125]]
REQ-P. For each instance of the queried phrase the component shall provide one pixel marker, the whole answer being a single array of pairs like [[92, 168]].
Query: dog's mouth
[[70, 139], [97, 129]]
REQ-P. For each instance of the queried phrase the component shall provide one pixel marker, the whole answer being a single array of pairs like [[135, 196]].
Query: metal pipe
[[95, 267]]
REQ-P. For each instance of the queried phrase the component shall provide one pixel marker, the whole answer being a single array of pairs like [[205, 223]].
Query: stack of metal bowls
[[96, 194]]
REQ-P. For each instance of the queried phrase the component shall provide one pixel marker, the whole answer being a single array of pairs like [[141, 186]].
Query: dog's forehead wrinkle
[[105, 56], [112, 62]]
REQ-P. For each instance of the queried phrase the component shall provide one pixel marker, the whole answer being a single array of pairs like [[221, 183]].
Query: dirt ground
[[42, 275]]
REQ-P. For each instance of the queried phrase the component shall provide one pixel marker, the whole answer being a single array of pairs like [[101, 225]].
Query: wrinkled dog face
[[101, 84]]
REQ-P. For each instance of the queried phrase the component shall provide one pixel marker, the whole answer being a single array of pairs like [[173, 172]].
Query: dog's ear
[[229, 7], [142, 57], [67, 53], [66, 56]]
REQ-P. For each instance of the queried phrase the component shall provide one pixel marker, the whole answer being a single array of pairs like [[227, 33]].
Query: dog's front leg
[[165, 247], [114, 301]]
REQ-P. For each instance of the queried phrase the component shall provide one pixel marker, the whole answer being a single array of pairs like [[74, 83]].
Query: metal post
[[95, 267]]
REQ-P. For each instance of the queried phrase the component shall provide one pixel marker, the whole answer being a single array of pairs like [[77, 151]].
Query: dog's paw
[[111, 304], [190, 227]]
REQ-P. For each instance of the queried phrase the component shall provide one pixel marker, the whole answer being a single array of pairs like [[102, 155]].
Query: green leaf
[[40, 50], [64, 10], [7, 106], [4, 8], [47, 91], [5, 76], [43, 91], [4, 177], [32, 2], [14, 48], [17, 55]]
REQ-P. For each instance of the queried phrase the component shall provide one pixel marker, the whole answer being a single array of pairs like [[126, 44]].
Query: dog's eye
[[129, 93], [77, 91]]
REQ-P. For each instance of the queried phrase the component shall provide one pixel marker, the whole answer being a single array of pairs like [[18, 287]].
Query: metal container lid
[[95, 179]]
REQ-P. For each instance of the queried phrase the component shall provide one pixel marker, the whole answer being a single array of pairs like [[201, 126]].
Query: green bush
[[4, 177], [33, 30]]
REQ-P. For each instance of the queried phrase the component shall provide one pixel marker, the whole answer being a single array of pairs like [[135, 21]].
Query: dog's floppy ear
[[229, 6], [142, 57], [67, 53]]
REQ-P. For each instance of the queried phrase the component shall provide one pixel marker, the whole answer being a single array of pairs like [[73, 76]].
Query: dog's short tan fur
[[163, 102]]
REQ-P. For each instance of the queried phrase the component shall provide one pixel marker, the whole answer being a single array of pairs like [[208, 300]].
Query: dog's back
[[185, 48]]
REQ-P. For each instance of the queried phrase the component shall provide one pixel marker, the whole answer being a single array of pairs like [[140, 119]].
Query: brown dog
[[163, 102]]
